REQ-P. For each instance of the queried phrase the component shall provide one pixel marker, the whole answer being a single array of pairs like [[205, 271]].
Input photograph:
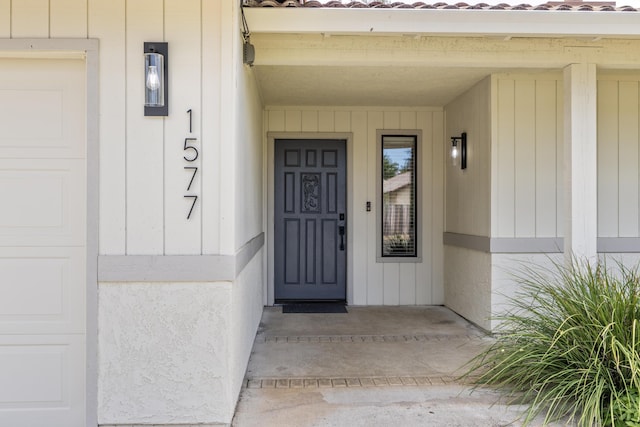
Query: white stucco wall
[[628, 260], [507, 270], [246, 312], [164, 353], [468, 284]]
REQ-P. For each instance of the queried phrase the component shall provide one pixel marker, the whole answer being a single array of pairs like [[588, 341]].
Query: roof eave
[[443, 22]]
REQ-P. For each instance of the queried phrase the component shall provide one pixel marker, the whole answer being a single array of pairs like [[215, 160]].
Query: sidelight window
[[398, 196]]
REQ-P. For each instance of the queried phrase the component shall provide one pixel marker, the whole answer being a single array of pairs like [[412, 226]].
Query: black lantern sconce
[[156, 79], [459, 152]]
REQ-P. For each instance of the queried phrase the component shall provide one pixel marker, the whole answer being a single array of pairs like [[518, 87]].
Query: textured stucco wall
[[246, 312], [508, 269], [467, 291], [164, 353], [629, 260]]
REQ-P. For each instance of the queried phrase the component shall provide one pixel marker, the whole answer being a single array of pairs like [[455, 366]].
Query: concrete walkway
[[375, 366]]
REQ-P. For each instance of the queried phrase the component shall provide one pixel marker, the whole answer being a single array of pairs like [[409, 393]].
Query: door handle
[[341, 233]]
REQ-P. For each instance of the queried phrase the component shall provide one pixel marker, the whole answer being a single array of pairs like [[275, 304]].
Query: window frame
[[379, 200]]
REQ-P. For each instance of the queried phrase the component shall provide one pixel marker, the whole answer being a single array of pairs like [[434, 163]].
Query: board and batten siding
[[527, 180], [618, 155], [371, 282], [467, 191], [142, 175]]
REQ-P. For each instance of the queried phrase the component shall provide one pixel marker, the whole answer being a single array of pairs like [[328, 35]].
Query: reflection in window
[[398, 196]]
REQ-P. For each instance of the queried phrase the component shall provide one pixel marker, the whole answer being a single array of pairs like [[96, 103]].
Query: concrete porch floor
[[375, 366]]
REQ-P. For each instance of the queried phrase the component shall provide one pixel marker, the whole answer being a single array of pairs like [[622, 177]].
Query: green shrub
[[626, 410], [570, 346]]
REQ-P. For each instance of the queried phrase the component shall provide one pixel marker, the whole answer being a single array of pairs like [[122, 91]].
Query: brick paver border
[[350, 382], [364, 338]]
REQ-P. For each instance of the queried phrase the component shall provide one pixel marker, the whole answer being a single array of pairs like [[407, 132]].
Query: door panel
[[310, 215], [42, 242]]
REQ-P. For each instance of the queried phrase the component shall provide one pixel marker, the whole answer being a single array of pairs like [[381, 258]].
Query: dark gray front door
[[310, 220]]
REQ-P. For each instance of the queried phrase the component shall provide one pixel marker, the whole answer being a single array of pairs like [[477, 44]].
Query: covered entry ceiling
[[406, 57], [365, 85]]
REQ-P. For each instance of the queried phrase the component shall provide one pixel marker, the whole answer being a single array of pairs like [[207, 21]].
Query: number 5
[[190, 147]]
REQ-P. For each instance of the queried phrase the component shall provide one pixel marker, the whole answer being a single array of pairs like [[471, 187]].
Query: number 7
[[195, 171], [195, 199]]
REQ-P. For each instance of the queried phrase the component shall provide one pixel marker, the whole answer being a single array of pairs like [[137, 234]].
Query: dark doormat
[[314, 307]]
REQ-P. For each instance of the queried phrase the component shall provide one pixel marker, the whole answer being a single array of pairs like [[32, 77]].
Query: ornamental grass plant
[[570, 346]]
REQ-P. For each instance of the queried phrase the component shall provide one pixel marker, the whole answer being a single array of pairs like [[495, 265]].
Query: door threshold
[[309, 301], [315, 307]]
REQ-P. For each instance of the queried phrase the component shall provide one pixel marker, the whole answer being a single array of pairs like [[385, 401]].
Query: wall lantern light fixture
[[156, 79], [459, 152]]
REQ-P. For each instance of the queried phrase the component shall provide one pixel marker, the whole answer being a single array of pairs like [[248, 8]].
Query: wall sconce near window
[[156, 79], [459, 152]]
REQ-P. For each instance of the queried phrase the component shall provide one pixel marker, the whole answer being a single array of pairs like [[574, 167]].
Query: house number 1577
[[190, 155]]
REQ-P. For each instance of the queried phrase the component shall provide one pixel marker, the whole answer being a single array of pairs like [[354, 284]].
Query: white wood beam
[[580, 162], [378, 50]]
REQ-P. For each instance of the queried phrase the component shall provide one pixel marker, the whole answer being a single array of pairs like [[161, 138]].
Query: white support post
[[580, 162]]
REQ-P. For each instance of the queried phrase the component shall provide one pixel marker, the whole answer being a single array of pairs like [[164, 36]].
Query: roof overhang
[[444, 22], [423, 57]]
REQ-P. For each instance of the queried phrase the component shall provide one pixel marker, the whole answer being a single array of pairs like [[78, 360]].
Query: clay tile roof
[[570, 5]]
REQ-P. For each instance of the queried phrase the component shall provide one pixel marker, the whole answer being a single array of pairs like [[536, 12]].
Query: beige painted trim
[[526, 245], [177, 268], [618, 244], [378, 197], [500, 245], [348, 108], [247, 252], [89, 50], [166, 268], [93, 227], [467, 241], [269, 214]]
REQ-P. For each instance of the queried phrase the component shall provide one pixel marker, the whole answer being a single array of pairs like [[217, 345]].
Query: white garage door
[[42, 242]]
